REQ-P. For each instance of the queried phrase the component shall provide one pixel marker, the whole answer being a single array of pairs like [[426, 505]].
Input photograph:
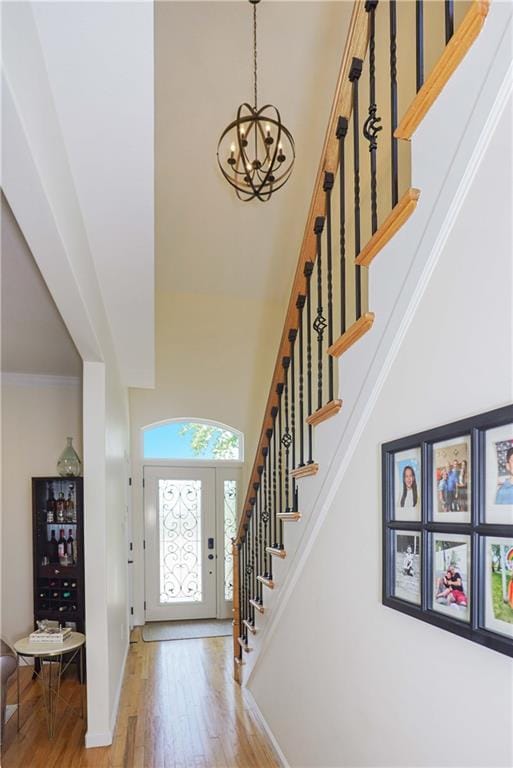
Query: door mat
[[155, 631]]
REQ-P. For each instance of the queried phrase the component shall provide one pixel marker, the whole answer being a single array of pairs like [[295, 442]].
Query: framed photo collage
[[448, 527]]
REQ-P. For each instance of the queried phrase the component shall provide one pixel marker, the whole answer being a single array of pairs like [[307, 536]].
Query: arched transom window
[[192, 439]]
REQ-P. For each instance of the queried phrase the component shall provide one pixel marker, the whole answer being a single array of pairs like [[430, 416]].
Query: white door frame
[[225, 469]]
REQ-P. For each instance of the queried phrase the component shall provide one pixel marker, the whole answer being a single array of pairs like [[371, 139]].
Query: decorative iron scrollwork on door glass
[[230, 521], [180, 541]]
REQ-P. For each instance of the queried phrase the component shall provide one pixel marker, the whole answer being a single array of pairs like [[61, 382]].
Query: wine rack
[[58, 546]]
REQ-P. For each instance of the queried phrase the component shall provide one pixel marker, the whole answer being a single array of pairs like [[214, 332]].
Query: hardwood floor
[[180, 708]]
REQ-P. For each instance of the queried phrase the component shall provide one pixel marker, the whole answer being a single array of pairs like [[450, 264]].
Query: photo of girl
[[407, 485]]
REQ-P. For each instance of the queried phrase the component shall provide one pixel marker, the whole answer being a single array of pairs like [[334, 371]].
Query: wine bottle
[[66, 595], [75, 551], [55, 595], [61, 502], [61, 546], [50, 504], [53, 549], [69, 547], [70, 505]]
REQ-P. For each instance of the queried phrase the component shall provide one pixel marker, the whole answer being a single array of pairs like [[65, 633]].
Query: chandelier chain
[[255, 52]]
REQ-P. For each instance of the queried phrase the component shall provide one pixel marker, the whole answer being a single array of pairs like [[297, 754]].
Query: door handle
[[211, 543], [130, 562], [211, 557]]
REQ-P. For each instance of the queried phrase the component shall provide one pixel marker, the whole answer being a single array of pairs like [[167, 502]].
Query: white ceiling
[[34, 337], [207, 240], [115, 85]]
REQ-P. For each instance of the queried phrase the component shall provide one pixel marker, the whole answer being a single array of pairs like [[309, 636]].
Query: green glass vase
[[69, 465]]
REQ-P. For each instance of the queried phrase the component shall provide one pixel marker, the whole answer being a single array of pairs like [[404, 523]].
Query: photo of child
[[499, 475], [407, 566], [451, 480], [499, 586], [407, 485], [451, 571]]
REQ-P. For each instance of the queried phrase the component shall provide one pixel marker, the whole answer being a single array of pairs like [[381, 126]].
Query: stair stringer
[[477, 95]]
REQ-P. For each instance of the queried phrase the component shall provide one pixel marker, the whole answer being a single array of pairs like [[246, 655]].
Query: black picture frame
[[473, 620]]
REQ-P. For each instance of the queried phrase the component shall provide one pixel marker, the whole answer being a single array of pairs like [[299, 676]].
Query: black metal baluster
[[292, 339], [319, 324], [265, 513], [279, 448], [354, 76], [393, 101], [371, 127], [245, 612], [329, 180], [248, 574], [341, 136], [274, 413], [419, 33], [239, 587], [449, 20], [300, 303], [254, 549], [269, 572], [260, 470], [286, 438], [308, 274]]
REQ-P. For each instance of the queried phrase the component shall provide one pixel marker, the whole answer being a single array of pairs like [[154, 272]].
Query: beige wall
[[215, 359], [38, 413]]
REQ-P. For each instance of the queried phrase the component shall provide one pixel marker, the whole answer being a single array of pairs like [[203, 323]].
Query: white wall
[[215, 360], [39, 186], [38, 413], [361, 684]]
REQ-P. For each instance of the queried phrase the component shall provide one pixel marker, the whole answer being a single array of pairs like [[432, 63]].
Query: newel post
[[237, 650]]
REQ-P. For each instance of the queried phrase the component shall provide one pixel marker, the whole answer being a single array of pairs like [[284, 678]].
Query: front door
[[180, 533]]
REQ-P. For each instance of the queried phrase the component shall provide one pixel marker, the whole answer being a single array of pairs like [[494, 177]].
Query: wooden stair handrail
[[356, 46]]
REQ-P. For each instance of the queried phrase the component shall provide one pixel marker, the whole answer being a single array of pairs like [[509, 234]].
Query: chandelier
[[256, 151]]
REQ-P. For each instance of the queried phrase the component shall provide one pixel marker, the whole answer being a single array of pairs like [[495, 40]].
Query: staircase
[[381, 208]]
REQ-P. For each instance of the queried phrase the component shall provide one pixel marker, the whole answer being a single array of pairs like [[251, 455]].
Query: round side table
[[50, 683]]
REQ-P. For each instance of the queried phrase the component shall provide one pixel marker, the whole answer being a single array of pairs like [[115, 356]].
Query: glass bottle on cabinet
[[58, 546]]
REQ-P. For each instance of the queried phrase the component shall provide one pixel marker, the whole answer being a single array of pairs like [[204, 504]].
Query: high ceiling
[[141, 92], [207, 240]]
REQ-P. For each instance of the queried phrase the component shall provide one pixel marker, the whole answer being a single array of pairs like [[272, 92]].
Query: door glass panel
[[180, 541], [230, 519]]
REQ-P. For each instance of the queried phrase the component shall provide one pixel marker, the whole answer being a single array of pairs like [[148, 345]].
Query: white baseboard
[[115, 708], [272, 738], [98, 739], [106, 738]]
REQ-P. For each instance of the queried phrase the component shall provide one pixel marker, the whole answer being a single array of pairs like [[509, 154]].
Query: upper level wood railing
[[396, 60]]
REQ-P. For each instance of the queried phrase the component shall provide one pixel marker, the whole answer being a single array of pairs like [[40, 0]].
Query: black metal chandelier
[[256, 151]]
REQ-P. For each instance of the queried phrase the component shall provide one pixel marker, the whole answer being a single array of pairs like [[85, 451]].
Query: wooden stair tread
[[398, 216], [453, 54], [275, 552], [249, 626], [259, 608], [289, 517], [305, 471], [245, 647], [266, 582], [326, 412], [351, 336]]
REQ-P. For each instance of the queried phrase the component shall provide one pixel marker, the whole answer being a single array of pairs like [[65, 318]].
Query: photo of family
[[451, 572], [451, 480], [407, 566], [499, 475], [499, 586], [407, 485]]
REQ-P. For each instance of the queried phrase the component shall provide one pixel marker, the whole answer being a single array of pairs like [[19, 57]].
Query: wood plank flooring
[[180, 708]]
